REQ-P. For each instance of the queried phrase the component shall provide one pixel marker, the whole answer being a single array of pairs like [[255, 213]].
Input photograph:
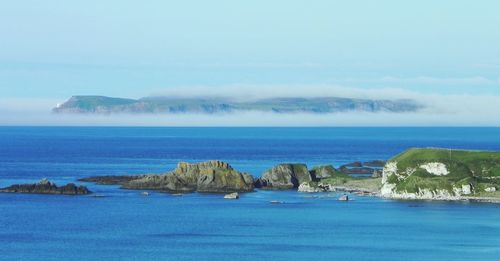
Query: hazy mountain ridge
[[158, 105]]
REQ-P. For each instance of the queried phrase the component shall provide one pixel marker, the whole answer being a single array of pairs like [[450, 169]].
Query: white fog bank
[[440, 110]]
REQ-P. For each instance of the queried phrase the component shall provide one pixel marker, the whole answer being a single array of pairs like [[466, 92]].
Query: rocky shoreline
[[193, 177], [428, 180], [220, 177]]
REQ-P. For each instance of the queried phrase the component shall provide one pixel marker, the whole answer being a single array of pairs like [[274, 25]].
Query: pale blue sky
[[55, 49]]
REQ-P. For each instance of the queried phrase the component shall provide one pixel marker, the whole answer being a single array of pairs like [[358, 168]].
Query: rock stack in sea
[[211, 176]]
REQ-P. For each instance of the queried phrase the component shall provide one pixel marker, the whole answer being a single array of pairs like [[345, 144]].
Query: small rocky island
[[47, 187], [219, 177]]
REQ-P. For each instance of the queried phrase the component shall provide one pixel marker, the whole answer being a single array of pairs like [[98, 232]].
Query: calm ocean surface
[[127, 226]]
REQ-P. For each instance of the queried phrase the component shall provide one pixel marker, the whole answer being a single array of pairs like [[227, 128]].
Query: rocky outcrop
[[47, 187], [211, 176], [490, 189], [284, 176], [435, 168]]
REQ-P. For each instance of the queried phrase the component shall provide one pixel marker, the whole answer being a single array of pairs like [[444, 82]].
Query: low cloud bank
[[253, 119], [440, 110]]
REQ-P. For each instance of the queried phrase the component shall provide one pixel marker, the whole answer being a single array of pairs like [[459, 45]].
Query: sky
[[439, 51]]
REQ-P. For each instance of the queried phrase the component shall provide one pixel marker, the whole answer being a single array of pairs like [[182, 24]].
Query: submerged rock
[[284, 176], [47, 187], [344, 198], [306, 188], [211, 176], [233, 195]]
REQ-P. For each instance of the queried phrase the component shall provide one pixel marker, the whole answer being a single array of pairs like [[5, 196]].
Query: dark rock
[[110, 180], [211, 176], [362, 170], [47, 187], [374, 164], [356, 164], [358, 167], [322, 172], [284, 176], [344, 198], [260, 183]]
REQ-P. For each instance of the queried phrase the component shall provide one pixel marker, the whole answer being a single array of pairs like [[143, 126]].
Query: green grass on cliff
[[479, 168], [461, 163], [362, 183]]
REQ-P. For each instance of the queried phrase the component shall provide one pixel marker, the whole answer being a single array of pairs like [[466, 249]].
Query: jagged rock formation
[[284, 176], [47, 187], [323, 172], [210, 176]]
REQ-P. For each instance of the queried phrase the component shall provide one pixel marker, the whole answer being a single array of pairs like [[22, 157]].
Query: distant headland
[[161, 105]]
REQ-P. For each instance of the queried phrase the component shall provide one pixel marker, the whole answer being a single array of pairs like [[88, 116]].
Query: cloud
[[252, 92], [254, 119], [26, 105], [425, 80]]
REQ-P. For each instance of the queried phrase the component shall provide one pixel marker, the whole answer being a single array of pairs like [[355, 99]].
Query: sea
[[125, 225]]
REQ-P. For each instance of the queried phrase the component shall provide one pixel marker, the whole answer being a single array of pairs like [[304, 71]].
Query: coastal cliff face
[[211, 176], [440, 174], [47, 187], [172, 105], [284, 176]]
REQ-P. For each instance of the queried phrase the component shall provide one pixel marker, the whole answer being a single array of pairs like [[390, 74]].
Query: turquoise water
[[127, 226]]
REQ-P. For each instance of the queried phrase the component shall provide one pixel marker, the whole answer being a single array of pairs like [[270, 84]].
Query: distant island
[[161, 105]]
